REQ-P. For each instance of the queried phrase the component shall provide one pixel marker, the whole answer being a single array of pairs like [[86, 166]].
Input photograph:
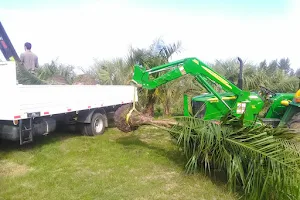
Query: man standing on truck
[[29, 59]]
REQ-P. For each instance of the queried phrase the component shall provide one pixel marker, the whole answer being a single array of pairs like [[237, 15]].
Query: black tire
[[94, 128], [295, 122]]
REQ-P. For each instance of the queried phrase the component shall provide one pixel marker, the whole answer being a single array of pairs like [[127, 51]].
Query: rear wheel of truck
[[96, 127]]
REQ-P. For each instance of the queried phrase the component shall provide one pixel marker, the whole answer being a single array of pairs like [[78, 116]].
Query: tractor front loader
[[284, 108]]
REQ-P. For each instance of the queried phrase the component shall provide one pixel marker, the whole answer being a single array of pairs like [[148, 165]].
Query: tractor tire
[[96, 127], [294, 124]]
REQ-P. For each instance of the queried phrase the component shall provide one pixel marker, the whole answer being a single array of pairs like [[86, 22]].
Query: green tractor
[[284, 108]]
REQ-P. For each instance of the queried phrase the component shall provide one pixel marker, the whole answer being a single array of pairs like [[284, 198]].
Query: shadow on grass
[[173, 155], [218, 177], [60, 134]]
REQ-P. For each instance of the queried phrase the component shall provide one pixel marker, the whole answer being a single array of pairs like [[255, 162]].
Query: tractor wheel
[[295, 122]]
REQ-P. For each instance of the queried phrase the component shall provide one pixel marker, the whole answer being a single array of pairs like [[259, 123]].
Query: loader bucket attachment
[[140, 76]]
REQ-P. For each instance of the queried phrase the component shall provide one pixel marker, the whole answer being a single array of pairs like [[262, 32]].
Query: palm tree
[[112, 72], [156, 54], [255, 76]]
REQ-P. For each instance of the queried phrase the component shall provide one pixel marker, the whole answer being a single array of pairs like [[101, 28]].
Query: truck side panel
[[46, 100]]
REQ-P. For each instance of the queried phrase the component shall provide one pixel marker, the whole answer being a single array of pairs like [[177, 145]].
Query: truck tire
[[96, 127]]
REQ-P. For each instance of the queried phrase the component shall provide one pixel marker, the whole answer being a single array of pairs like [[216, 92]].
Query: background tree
[[56, 73], [276, 76], [156, 54], [284, 64], [297, 72], [263, 65], [272, 67], [112, 72]]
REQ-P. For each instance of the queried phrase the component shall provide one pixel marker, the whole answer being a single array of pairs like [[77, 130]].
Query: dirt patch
[[160, 173], [8, 168], [170, 186], [161, 176]]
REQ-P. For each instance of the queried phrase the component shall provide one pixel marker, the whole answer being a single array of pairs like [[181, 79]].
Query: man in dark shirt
[[29, 59]]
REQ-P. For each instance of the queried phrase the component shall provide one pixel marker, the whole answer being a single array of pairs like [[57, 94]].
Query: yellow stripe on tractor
[[214, 100], [217, 77]]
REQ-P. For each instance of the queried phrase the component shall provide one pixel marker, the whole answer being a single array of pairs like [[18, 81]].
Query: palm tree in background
[[156, 54], [56, 73], [119, 71], [112, 72], [272, 76], [49, 73]]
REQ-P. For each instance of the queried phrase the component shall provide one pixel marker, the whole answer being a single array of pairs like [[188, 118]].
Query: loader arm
[[177, 69]]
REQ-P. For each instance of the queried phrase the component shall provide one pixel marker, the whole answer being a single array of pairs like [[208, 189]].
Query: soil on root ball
[[120, 119], [137, 119]]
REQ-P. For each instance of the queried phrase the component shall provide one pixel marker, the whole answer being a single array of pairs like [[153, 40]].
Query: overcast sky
[[78, 31]]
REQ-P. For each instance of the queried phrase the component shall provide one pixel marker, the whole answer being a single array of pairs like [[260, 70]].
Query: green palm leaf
[[255, 160]]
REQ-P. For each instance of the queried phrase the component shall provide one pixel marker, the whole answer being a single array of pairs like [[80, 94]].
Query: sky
[[78, 31]]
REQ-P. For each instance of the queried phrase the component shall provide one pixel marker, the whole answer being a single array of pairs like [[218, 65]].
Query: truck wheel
[[96, 127], [295, 122]]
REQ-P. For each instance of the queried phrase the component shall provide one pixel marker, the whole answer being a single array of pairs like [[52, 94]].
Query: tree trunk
[[136, 119], [167, 107], [149, 110], [167, 110]]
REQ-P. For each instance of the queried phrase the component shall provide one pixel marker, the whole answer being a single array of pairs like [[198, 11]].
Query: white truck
[[30, 110]]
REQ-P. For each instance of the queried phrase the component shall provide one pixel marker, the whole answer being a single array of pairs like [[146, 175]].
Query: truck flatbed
[[29, 110], [47, 100]]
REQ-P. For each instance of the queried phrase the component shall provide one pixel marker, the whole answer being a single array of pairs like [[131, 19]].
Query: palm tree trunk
[[136, 119], [167, 107], [151, 99]]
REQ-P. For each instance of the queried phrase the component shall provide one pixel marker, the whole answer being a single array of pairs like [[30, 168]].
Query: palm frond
[[26, 78], [254, 158]]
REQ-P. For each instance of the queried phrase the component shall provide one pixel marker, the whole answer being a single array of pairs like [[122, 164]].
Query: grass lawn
[[140, 165]]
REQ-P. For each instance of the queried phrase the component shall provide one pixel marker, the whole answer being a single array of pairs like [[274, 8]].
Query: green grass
[[145, 164]]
